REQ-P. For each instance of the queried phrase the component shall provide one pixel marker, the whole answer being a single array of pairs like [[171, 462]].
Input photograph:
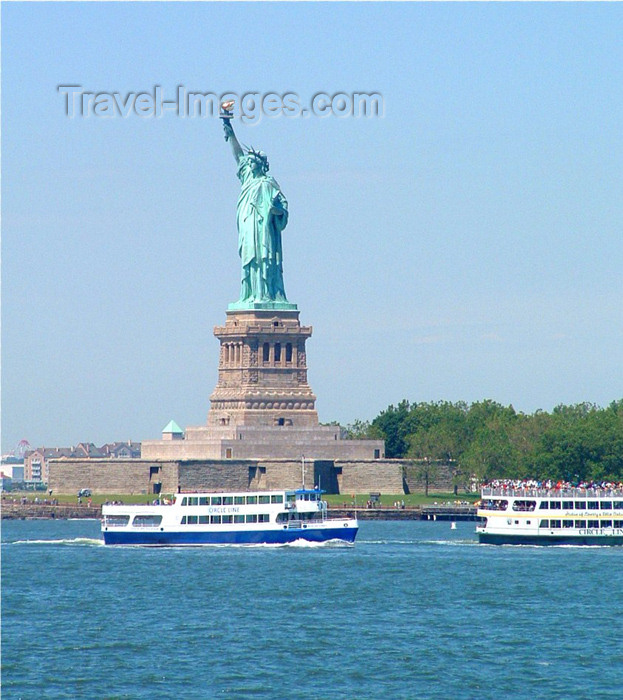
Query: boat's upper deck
[[553, 493], [298, 498]]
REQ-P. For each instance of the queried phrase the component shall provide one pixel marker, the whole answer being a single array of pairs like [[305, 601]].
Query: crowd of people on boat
[[550, 485]]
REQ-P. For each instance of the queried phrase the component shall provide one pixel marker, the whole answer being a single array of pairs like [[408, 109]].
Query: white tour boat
[[258, 517], [578, 516]]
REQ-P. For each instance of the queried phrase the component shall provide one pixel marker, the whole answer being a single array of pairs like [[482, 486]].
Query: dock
[[30, 510]]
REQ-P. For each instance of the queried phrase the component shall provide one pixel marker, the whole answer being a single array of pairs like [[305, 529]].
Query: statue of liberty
[[262, 214]]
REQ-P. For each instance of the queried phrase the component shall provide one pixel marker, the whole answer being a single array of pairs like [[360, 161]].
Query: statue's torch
[[226, 114]]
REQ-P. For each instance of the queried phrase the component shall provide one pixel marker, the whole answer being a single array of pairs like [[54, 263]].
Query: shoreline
[[66, 511], [36, 511]]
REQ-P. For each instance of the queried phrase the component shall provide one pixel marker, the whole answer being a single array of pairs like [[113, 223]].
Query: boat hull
[[240, 537], [579, 541]]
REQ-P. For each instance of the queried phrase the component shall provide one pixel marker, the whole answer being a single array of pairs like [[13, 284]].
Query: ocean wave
[[79, 541], [329, 543], [417, 543]]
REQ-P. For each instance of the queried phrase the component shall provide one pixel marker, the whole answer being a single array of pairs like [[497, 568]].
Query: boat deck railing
[[552, 493]]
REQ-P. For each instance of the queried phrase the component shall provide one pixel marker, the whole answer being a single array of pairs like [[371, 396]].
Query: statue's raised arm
[[262, 214], [231, 137]]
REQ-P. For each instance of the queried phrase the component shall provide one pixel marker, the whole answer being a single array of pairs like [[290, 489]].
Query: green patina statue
[[262, 214]]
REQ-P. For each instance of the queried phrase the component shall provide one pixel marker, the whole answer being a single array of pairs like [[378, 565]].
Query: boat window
[[580, 505], [524, 505], [204, 501], [544, 505], [567, 523], [184, 501], [593, 505], [276, 498], [580, 523], [192, 520], [282, 517], [593, 523], [228, 500], [238, 518], [617, 505], [251, 500], [618, 523], [263, 499], [252, 518], [193, 501], [567, 505], [554, 523], [216, 501], [204, 519], [544, 523], [606, 523], [215, 519], [227, 519], [263, 518], [183, 521], [147, 520], [554, 505], [117, 520], [606, 505], [496, 505], [290, 497], [239, 500]]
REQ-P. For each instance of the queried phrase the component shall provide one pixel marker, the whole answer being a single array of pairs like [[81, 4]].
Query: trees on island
[[581, 442]]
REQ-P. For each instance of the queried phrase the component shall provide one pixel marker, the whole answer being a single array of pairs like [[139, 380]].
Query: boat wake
[[417, 543], [74, 541], [305, 544], [450, 543]]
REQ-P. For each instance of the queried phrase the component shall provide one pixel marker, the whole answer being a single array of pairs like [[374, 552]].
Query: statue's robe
[[262, 214]]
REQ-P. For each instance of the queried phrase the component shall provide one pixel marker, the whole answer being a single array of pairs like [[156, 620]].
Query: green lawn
[[96, 499]]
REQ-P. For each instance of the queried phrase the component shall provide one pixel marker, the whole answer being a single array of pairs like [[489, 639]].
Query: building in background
[[36, 461]]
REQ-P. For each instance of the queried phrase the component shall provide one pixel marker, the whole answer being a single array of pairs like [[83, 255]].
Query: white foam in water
[[82, 541], [328, 543]]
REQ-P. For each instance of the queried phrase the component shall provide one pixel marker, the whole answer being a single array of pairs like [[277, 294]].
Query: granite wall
[[129, 476], [140, 476]]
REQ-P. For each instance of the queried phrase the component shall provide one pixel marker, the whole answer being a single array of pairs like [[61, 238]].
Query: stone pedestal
[[262, 406], [262, 372]]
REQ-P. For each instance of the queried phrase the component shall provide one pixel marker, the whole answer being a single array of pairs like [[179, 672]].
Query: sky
[[465, 245]]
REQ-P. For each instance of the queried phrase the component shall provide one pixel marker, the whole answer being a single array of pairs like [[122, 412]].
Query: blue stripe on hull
[[598, 540], [346, 534]]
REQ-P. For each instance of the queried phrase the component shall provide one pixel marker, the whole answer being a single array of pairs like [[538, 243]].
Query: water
[[414, 610]]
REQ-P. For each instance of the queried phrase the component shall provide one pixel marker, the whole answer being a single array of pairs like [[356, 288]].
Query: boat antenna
[[303, 470]]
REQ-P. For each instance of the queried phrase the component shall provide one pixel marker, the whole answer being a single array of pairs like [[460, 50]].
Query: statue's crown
[[258, 155]]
